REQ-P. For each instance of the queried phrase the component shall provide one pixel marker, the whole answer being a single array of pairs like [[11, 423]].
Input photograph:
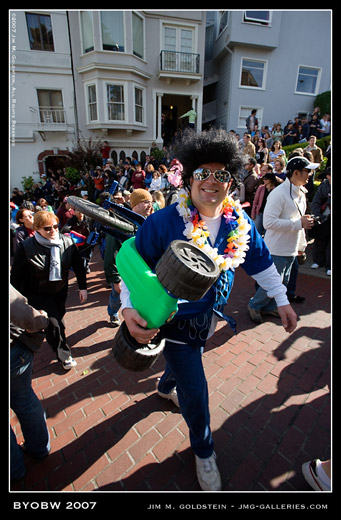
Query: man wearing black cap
[[285, 222]]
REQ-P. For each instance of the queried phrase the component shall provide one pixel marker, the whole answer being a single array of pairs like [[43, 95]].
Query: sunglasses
[[201, 174], [49, 228]]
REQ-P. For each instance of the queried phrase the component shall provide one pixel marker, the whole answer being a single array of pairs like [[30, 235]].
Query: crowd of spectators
[[149, 187]]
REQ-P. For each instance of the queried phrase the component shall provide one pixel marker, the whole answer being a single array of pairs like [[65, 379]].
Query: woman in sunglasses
[[207, 216], [40, 272]]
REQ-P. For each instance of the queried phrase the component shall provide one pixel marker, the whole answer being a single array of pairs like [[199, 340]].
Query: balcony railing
[[186, 62], [51, 118]]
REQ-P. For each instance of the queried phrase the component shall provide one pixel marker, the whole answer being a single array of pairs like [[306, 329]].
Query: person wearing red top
[[105, 151], [138, 177], [99, 182]]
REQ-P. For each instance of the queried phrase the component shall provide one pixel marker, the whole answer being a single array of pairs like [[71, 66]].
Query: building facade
[[272, 61], [42, 117], [124, 77]]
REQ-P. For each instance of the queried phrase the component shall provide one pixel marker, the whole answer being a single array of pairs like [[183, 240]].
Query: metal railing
[[173, 61], [51, 118]]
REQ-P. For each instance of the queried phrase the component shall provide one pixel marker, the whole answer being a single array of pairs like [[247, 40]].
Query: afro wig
[[214, 145]]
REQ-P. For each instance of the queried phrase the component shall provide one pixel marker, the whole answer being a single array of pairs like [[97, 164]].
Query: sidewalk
[[110, 431]]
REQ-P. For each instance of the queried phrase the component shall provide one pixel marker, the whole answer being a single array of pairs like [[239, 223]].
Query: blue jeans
[[260, 300], [291, 287], [259, 224], [28, 410], [184, 370], [114, 302]]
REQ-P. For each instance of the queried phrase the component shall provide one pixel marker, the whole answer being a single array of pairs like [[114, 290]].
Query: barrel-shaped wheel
[[101, 215], [133, 355], [186, 271]]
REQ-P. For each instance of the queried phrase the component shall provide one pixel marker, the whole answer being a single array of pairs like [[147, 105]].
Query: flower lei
[[197, 232]]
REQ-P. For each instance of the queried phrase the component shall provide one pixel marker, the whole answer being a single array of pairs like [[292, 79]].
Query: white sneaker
[[328, 272], [69, 363], [208, 473], [314, 266], [311, 471], [172, 396]]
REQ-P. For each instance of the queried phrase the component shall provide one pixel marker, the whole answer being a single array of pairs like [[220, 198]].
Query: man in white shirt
[[285, 222]]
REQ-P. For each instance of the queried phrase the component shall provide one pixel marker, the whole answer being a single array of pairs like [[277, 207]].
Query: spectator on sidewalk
[[250, 182], [138, 176], [248, 146], [279, 168], [290, 134], [314, 149], [262, 151], [40, 272], [321, 208], [270, 182], [24, 217], [28, 328], [82, 225], [105, 152], [98, 182], [64, 212], [252, 121], [211, 162], [276, 152], [285, 222]]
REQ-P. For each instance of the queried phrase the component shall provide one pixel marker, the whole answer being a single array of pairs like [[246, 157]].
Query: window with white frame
[[112, 26], [139, 109], [87, 31], [253, 73], [307, 80], [177, 46], [245, 112], [258, 17], [51, 107], [92, 103], [115, 102], [138, 35]]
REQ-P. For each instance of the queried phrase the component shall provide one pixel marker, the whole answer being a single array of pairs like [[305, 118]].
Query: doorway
[[56, 162], [173, 106]]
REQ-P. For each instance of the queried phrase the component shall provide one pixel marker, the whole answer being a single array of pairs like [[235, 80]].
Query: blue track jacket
[[192, 321]]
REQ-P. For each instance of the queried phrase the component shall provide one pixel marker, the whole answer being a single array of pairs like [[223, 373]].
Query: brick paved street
[[110, 431]]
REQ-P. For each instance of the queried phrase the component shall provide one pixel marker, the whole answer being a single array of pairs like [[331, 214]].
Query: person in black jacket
[[40, 272], [28, 328]]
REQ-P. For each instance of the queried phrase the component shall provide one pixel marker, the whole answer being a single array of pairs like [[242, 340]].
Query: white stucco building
[[121, 76], [275, 61], [127, 76]]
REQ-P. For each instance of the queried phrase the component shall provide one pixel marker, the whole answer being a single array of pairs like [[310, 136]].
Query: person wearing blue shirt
[[205, 215]]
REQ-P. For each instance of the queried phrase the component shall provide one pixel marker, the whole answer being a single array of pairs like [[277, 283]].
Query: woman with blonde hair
[[40, 271], [159, 200]]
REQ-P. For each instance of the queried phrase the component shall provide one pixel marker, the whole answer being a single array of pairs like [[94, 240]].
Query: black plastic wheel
[[101, 215], [133, 355], [186, 271]]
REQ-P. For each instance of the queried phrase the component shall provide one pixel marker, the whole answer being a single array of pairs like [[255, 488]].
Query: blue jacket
[[192, 321]]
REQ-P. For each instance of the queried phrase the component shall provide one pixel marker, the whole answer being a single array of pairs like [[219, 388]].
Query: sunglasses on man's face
[[49, 228], [201, 174]]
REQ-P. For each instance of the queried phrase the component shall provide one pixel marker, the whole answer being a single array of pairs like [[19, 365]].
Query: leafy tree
[[323, 101], [86, 154]]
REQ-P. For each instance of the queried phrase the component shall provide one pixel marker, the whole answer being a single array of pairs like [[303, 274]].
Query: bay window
[[115, 102]]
